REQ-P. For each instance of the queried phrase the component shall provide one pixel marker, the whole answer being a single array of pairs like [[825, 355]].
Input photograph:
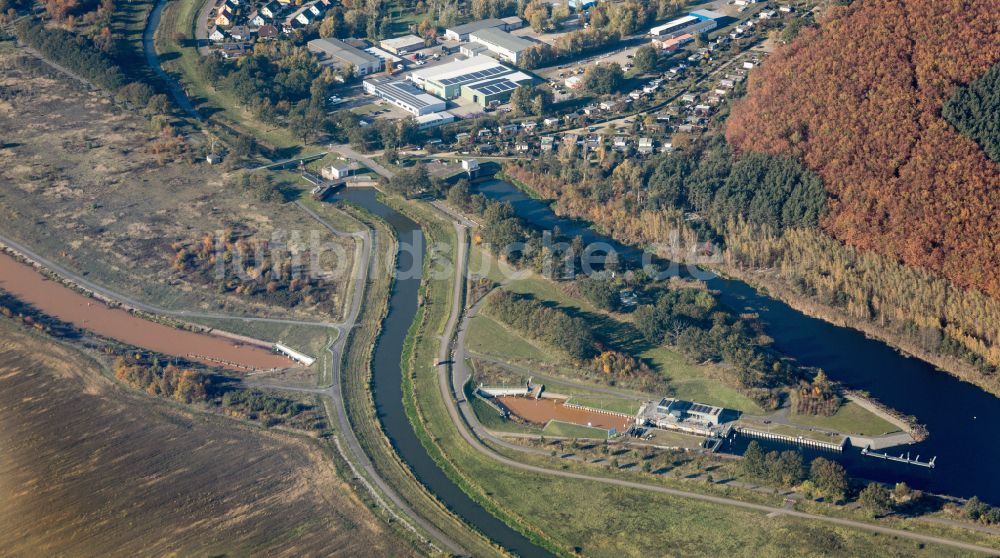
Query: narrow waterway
[[49, 297], [153, 59], [962, 418], [387, 377]]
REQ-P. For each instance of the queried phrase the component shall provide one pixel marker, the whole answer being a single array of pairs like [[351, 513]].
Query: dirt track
[[61, 302]]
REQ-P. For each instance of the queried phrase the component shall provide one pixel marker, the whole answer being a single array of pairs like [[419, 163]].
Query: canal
[[387, 377], [961, 417]]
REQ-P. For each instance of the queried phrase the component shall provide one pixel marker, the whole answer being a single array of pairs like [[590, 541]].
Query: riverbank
[[94, 314], [766, 282]]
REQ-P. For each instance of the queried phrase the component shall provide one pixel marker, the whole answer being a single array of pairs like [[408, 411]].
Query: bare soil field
[[91, 469], [83, 183]]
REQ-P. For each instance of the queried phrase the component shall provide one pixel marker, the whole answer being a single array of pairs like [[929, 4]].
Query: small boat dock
[[902, 458]]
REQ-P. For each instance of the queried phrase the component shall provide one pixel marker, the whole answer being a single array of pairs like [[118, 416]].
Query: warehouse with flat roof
[[506, 46], [446, 80], [337, 53], [695, 22], [402, 45], [404, 95], [461, 32], [494, 90]]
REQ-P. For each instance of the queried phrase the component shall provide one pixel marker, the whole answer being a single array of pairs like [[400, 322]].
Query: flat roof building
[[461, 32], [404, 95], [494, 90], [337, 53], [402, 45], [693, 23], [434, 119], [446, 80], [506, 46], [670, 412]]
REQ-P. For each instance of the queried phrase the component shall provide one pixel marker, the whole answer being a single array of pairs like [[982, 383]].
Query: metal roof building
[[508, 47], [446, 80], [334, 52], [498, 89], [461, 32], [402, 45], [404, 95]]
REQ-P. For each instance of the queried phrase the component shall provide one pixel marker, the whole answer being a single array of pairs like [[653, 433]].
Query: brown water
[[541, 411], [59, 301]]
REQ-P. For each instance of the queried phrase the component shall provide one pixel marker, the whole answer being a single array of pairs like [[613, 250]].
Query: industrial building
[[402, 45], [446, 80], [506, 46], [336, 53], [461, 32], [494, 90], [680, 414], [695, 22], [434, 119], [404, 95], [673, 43]]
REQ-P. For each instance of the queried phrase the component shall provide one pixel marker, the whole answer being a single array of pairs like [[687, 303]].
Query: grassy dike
[[356, 386], [181, 59], [592, 518]]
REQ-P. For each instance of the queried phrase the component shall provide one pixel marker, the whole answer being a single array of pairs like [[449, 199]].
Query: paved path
[[201, 27], [454, 368], [333, 392]]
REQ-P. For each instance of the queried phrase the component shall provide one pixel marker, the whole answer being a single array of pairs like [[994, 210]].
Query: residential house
[[235, 50], [271, 10], [507, 129], [225, 17], [522, 147], [645, 145], [550, 122], [217, 36], [548, 144], [267, 33], [255, 18], [529, 126], [241, 33]]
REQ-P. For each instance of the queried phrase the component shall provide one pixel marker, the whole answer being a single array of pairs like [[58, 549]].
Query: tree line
[[860, 101], [827, 479]]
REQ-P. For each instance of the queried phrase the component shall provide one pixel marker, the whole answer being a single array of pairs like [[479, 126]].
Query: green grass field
[[851, 418], [487, 336], [599, 520], [608, 403], [570, 430], [180, 59]]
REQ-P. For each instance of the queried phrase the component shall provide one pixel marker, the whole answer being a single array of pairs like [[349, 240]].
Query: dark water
[[960, 417], [387, 381]]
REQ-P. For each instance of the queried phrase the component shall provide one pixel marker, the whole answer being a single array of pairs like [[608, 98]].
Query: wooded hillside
[[859, 101]]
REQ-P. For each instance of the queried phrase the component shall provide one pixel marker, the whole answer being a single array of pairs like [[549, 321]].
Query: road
[[333, 392], [454, 373], [201, 27]]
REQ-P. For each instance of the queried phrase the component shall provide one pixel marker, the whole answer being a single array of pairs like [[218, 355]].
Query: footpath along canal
[[57, 300], [961, 417], [387, 378]]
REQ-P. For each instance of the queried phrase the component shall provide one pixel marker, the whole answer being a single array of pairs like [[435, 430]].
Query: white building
[[402, 45], [434, 119], [695, 22], [404, 95]]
